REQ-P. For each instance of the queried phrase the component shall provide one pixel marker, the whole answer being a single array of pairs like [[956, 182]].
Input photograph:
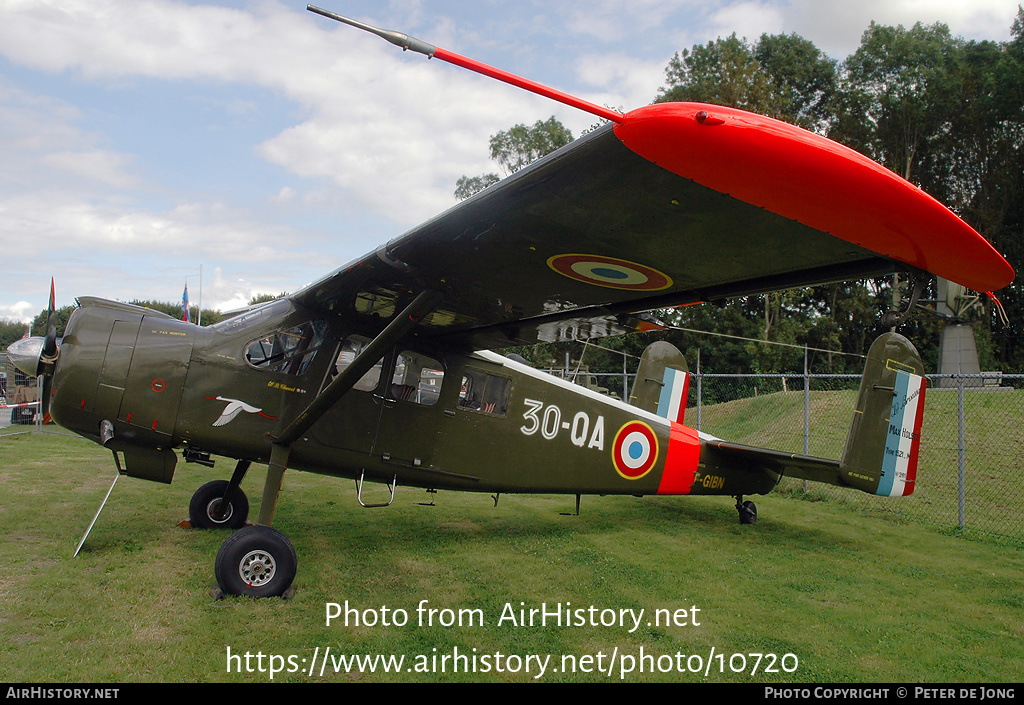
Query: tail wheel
[[748, 512], [256, 561], [209, 509]]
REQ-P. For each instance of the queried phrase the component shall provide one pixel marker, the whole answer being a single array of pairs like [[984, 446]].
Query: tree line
[[945, 113]]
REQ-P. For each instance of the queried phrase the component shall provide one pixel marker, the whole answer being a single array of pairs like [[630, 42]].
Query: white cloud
[[19, 311], [628, 82], [748, 19], [612, 20], [104, 166], [378, 119], [390, 130], [155, 38], [836, 27], [40, 144]]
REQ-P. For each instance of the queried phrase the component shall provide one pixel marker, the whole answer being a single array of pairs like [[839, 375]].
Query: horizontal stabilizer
[[885, 434], [777, 462]]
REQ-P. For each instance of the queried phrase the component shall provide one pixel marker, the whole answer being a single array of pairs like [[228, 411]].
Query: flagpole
[[199, 318]]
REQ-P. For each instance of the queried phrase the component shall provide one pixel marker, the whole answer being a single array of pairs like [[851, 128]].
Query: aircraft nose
[[25, 354]]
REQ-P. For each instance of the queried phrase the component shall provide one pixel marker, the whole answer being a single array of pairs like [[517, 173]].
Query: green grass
[[993, 442], [855, 594]]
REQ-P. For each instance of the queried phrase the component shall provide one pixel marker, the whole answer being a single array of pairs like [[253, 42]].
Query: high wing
[[677, 203]]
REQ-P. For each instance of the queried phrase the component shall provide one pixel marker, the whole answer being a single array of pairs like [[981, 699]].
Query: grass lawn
[[845, 594], [993, 445]]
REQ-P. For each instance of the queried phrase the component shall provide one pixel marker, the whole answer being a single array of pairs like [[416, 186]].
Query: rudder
[[882, 448], [662, 382]]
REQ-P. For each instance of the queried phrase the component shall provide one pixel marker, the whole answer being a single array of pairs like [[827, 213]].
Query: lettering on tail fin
[[882, 447], [903, 439]]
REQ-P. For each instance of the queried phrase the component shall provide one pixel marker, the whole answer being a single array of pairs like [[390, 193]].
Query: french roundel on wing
[[635, 450], [610, 272]]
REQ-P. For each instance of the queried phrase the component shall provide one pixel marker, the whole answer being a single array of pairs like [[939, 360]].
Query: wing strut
[[281, 448], [398, 327], [408, 43]]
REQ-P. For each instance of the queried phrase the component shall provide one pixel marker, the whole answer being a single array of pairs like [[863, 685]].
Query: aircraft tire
[[256, 561], [748, 513], [207, 498]]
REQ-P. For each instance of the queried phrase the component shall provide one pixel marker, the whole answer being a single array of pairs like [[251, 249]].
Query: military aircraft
[[384, 370]]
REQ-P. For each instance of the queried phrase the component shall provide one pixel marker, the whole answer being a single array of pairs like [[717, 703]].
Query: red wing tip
[[854, 198]]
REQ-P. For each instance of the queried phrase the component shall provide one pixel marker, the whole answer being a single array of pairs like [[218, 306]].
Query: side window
[[289, 351], [350, 349], [417, 378], [484, 392]]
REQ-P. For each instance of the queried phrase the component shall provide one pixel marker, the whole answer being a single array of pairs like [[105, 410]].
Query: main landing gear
[[256, 560], [213, 506], [747, 510]]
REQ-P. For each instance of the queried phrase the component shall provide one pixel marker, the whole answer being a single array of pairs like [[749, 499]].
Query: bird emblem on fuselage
[[234, 407]]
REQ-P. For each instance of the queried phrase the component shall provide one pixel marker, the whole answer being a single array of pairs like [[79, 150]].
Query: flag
[[184, 306]]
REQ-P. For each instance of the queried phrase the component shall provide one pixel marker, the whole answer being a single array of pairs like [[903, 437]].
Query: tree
[[948, 115], [786, 77], [263, 298], [61, 316], [897, 92], [10, 331], [520, 145], [803, 79], [783, 76], [944, 113], [724, 72], [515, 148], [466, 186]]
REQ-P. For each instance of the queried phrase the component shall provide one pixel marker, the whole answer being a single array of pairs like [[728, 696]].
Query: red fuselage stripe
[[680, 461]]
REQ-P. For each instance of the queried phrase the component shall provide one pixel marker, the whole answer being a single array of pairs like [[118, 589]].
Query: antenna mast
[[408, 43]]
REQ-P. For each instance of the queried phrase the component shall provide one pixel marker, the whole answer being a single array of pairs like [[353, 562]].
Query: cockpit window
[[288, 351]]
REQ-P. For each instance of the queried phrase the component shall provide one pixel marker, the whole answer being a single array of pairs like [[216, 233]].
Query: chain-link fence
[[972, 440], [19, 398]]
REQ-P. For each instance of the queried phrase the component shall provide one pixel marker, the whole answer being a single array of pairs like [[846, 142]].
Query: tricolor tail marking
[[674, 393], [903, 439]]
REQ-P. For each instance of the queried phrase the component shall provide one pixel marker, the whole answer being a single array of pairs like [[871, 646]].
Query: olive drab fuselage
[[370, 372], [430, 418]]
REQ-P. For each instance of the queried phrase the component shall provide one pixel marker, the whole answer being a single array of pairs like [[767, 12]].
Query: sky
[[242, 148]]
